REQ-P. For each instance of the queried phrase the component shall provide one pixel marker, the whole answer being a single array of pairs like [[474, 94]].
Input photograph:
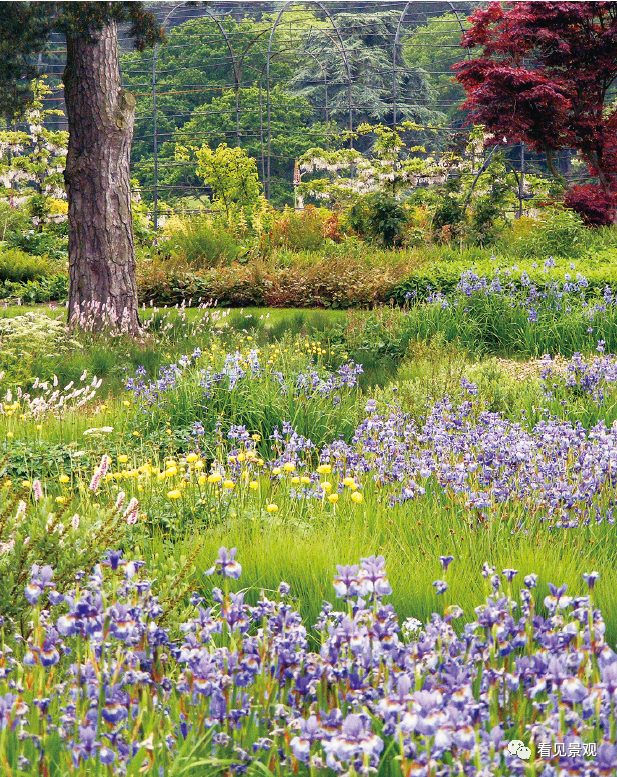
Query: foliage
[[308, 734], [390, 167], [50, 241], [51, 288], [467, 190], [543, 79], [597, 208], [332, 282], [32, 159], [368, 48], [27, 337], [24, 31], [193, 75], [298, 230], [292, 133], [200, 244], [381, 217], [437, 60], [18, 266], [230, 173], [43, 532], [556, 232]]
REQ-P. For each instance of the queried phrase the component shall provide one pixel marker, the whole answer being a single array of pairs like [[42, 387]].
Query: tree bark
[[102, 277]]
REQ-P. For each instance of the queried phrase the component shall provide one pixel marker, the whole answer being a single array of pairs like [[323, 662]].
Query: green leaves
[[231, 174]]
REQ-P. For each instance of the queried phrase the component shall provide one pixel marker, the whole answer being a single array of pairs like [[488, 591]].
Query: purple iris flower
[[440, 586], [573, 690], [557, 598], [373, 578], [114, 559], [531, 581], [106, 756], [116, 706], [310, 731], [228, 566], [6, 706], [606, 760], [346, 583], [86, 746], [354, 740], [40, 579], [48, 654], [446, 561], [591, 579]]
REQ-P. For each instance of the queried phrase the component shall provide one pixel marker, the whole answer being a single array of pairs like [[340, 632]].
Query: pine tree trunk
[[102, 282]]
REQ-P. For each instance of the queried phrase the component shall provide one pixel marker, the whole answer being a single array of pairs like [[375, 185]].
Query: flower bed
[[101, 681]]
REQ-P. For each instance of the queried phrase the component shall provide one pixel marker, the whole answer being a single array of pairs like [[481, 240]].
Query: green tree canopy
[[193, 70], [369, 51], [292, 133], [434, 48]]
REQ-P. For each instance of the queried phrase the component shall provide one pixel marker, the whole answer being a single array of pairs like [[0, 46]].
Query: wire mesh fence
[[278, 78]]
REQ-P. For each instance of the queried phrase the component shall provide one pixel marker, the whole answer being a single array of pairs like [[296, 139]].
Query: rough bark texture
[[102, 282]]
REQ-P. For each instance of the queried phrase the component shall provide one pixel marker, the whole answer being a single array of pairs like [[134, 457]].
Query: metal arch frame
[[343, 53], [235, 67], [395, 49], [325, 83], [156, 154], [261, 125]]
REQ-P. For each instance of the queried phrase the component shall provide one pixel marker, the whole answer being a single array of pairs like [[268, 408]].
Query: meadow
[[174, 512]]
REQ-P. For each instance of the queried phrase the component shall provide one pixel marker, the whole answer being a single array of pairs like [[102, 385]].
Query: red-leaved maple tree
[[544, 79]]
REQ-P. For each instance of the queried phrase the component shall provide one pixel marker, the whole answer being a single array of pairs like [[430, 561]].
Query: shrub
[[33, 335], [486, 221], [334, 282], [37, 529], [596, 208], [201, 244], [386, 219], [557, 232], [51, 241], [17, 266], [379, 217], [302, 230]]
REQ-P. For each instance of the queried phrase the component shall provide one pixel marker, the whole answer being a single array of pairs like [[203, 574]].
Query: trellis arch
[[397, 37], [342, 51], [154, 113]]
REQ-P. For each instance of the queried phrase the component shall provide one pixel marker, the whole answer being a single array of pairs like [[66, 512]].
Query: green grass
[[422, 354]]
